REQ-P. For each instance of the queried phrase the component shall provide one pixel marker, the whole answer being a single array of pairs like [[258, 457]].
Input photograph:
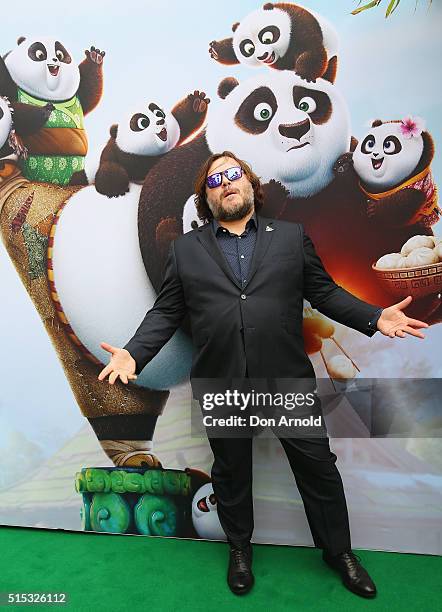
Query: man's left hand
[[393, 322]]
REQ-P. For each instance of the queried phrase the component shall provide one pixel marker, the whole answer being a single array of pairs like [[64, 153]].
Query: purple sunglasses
[[232, 174]]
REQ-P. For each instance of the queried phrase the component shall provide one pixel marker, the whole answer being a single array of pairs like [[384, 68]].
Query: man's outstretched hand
[[393, 322], [122, 365]]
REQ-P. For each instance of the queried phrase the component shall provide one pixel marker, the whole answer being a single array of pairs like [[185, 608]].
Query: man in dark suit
[[242, 279]]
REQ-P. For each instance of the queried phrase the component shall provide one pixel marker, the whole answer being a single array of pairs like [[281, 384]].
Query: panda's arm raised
[[190, 113], [91, 79], [28, 119], [222, 51]]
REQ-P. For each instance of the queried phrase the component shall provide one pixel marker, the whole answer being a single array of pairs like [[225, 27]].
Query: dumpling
[[403, 263], [421, 256], [438, 250], [416, 242], [437, 240], [388, 261], [340, 367]]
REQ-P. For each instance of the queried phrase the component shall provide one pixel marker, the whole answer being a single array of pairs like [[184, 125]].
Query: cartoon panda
[[204, 514], [138, 141], [39, 71], [289, 131], [293, 135], [284, 36], [393, 163]]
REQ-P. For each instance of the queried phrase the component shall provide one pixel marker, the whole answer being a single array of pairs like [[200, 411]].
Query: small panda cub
[[139, 140], [393, 164], [284, 36]]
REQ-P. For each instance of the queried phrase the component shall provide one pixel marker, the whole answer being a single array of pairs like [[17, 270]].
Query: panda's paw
[[199, 101], [370, 208], [343, 165], [95, 55], [275, 198], [212, 50]]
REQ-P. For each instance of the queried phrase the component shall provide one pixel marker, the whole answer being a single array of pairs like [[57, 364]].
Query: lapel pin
[[269, 229]]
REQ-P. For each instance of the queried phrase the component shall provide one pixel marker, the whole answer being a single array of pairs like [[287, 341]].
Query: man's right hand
[[122, 365]]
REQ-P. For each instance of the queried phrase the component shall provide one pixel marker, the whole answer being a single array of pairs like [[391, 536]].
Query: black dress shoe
[[239, 576], [354, 576]]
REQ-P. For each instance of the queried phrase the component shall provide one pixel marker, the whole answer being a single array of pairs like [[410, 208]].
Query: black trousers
[[316, 475]]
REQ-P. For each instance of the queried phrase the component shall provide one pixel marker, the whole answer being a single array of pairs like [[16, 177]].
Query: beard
[[237, 212]]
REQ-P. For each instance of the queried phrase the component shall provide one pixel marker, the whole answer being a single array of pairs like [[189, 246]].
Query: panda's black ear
[[235, 25], [20, 40], [376, 123], [268, 6], [226, 86], [113, 130]]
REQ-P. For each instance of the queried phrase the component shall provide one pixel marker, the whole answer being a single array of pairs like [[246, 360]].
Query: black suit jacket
[[258, 325]]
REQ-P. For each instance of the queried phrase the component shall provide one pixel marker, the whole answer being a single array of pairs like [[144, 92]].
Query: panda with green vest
[[41, 72]]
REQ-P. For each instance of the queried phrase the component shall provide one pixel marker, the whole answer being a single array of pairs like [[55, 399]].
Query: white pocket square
[[269, 229]]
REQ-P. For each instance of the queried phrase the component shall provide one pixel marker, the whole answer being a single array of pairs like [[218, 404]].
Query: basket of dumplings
[[415, 271]]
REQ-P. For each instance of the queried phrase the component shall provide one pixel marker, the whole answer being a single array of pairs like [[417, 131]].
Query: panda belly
[[102, 285]]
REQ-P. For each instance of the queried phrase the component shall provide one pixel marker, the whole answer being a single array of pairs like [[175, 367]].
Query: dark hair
[[202, 208]]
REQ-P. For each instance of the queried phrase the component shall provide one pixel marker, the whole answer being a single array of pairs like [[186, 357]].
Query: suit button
[[243, 296]]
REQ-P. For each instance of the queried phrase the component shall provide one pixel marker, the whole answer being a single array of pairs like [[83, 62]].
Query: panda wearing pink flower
[[392, 162]]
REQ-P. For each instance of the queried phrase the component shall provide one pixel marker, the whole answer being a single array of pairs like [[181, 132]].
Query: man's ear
[[113, 130]]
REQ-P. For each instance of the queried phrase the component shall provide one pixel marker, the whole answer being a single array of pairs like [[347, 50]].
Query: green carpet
[[111, 572]]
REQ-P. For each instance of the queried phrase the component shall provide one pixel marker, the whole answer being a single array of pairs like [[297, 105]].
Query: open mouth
[[377, 163], [163, 134], [53, 69], [229, 193], [202, 505], [270, 59], [298, 146]]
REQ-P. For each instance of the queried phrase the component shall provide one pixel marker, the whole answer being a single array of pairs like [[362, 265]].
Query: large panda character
[[284, 36], [295, 135], [40, 71], [143, 135]]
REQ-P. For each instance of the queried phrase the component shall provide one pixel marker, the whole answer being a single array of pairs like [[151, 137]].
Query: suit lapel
[[264, 236]]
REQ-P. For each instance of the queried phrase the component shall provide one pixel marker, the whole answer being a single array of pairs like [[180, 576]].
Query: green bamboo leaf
[[391, 7], [366, 6]]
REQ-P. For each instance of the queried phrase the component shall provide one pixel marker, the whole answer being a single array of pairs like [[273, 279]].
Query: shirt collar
[[253, 220]]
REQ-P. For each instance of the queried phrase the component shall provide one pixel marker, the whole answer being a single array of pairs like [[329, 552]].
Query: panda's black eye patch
[[157, 111], [368, 143], [37, 52], [1, 113], [246, 118], [247, 47], [322, 112], [269, 35], [139, 122], [62, 54], [392, 145]]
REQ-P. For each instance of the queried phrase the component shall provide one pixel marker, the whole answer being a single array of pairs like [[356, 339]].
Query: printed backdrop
[[343, 127]]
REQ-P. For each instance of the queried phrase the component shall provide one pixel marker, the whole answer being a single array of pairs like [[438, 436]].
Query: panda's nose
[[375, 154], [263, 57], [295, 130], [55, 60], [160, 122]]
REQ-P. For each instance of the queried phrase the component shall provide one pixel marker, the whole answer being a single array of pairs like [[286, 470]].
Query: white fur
[[255, 21], [190, 214], [206, 522], [103, 285], [5, 121], [395, 168], [35, 78], [304, 171]]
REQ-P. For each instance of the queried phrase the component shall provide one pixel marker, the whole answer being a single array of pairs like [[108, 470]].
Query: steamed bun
[[340, 367], [421, 256], [438, 250], [389, 261], [416, 242]]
